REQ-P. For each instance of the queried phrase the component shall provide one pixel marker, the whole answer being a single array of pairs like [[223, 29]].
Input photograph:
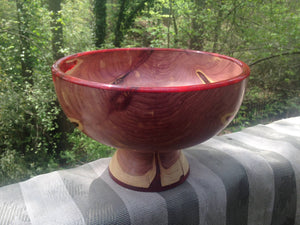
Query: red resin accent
[[232, 70], [150, 100]]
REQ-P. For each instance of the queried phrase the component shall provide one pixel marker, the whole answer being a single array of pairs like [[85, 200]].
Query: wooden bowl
[[149, 104]]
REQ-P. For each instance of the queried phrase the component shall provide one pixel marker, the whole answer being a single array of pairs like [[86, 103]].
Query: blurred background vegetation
[[35, 136]]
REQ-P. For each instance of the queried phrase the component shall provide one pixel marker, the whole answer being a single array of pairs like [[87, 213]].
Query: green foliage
[[127, 13], [12, 167], [84, 149], [29, 132], [264, 34], [78, 25]]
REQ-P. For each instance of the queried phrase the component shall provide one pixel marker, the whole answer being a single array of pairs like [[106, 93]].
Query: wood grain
[[150, 101]]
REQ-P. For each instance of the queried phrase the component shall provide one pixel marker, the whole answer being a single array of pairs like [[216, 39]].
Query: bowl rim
[[57, 72]]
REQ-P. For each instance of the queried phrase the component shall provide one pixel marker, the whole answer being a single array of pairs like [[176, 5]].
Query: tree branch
[[273, 56]]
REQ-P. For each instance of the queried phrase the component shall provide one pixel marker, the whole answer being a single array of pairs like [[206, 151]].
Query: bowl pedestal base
[[148, 171]]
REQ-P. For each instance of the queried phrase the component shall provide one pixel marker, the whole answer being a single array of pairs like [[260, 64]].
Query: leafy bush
[[84, 150]]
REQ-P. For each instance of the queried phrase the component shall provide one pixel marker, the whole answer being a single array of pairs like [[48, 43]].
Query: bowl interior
[[151, 68]]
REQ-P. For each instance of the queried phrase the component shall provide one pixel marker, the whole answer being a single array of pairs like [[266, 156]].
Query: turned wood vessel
[[150, 104]]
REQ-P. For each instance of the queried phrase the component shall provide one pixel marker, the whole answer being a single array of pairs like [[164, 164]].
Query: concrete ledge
[[248, 177]]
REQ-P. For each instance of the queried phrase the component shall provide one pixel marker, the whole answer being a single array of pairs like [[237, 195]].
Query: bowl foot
[[149, 172]]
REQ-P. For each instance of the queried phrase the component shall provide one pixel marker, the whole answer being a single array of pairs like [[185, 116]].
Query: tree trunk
[[26, 61], [218, 27], [118, 31], [64, 125], [126, 19], [56, 29], [174, 22], [26, 58], [197, 40], [100, 25]]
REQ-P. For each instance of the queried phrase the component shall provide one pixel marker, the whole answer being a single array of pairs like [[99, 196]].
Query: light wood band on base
[[162, 172]]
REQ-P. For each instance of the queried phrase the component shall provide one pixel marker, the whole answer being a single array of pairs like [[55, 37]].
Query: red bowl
[[150, 99], [150, 104]]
